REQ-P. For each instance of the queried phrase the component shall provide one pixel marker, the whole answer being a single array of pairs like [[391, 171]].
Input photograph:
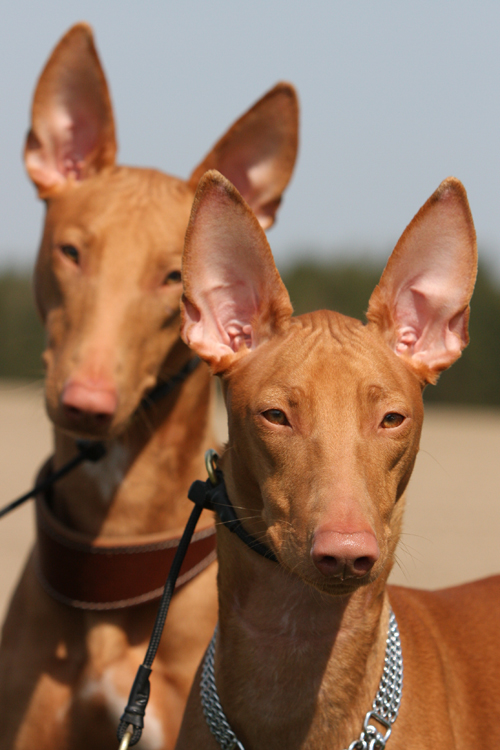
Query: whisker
[[401, 566], [427, 453], [144, 416], [246, 518], [417, 536], [413, 552]]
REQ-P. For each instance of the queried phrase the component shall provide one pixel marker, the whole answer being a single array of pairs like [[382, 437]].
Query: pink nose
[[342, 555], [95, 400]]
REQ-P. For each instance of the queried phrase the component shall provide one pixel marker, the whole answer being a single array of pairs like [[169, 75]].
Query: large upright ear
[[258, 152], [421, 304], [72, 132], [233, 294]]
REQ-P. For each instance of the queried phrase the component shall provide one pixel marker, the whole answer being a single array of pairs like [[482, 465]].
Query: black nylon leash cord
[[139, 695], [94, 450], [211, 495], [87, 451], [163, 389]]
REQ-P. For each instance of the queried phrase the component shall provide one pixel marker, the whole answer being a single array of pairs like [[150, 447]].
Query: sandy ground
[[452, 519]]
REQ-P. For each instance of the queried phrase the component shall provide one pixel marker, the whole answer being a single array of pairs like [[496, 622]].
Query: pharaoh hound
[[108, 287], [313, 649]]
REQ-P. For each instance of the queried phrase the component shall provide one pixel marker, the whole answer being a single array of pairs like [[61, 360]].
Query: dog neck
[[307, 664], [141, 485]]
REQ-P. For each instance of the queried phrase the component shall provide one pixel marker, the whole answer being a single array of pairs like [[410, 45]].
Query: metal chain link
[[385, 707], [388, 698], [384, 710], [212, 708]]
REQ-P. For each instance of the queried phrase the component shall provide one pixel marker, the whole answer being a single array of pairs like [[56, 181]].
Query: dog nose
[[344, 555], [89, 401]]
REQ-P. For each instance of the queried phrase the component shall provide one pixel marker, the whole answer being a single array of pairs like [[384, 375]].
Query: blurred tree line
[[21, 333], [345, 287]]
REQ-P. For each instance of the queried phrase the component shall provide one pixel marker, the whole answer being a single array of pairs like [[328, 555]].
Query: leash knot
[[203, 493], [136, 708], [213, 496]]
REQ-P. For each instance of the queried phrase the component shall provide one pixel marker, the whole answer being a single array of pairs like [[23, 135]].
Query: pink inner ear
[[232, 317], [226, 304], [77, 137], [68, 139], [427, 327], [257, 183], [258, 153], [233, 294], [421, 304], [219, 328], [72, 134]]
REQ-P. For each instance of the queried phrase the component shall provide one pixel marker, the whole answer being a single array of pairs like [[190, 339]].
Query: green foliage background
[[474, 379], [345, 287], [21, 333]]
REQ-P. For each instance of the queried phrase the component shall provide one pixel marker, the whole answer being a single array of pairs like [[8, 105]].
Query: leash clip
[[211, 458], [200, 492], [376, 740], [124, 744]]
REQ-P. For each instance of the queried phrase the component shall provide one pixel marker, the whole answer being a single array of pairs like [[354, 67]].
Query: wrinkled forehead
[[123, 197], [328, 357]]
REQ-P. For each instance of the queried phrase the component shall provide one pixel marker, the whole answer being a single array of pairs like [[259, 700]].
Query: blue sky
[[395, 96]]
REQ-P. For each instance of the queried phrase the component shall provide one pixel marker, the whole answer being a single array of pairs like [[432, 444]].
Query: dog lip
[[337, 587], [81, 431], [330, 585]]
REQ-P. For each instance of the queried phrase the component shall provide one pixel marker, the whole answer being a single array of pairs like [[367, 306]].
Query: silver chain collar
[[384, 709]]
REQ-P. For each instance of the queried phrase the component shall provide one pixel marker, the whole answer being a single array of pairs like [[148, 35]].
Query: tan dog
[[324, 426], [107, 285]]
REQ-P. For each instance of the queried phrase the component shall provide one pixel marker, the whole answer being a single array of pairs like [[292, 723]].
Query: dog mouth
[[339, 587], [89, 427], [87, 420], [333, 586], [341, 582], [83, 410]]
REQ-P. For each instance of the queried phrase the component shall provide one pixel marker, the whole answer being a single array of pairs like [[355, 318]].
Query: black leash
[[88, 450], [209, 495], [163, 389], [214, 497], [132, 721], [94, 450]]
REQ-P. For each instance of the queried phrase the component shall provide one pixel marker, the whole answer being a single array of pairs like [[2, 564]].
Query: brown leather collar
[[109, 573]]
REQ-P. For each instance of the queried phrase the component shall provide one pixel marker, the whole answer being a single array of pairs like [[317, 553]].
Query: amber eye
[[70, 252], [174, 277], [392, 420], [275, 416]]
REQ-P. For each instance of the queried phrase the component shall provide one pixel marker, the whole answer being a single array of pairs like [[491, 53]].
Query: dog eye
[[174, 277], [392, 420], [71, 252], [275, 416]]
